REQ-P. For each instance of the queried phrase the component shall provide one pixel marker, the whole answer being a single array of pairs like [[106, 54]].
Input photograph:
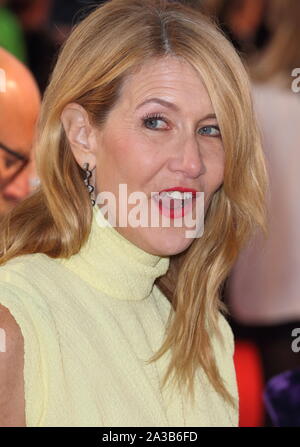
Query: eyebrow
[[17, 154], [172, 106]]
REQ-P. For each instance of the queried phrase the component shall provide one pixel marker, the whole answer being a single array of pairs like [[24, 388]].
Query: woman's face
[[155, 144]]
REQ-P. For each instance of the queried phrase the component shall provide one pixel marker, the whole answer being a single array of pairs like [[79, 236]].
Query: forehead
[[170, 78], [18, 115], [16, 133]]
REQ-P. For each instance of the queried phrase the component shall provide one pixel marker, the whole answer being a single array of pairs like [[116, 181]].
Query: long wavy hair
[[109, 44]]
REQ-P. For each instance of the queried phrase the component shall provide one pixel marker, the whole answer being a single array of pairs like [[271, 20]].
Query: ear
[[80, 133]]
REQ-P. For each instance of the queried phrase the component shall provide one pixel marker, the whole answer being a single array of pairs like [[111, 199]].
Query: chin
[[168, 244]]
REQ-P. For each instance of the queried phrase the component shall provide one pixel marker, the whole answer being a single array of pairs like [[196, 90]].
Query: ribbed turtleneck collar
[[114, 265]]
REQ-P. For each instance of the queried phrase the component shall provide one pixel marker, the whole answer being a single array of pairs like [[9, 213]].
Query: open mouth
[[175, 199], [175, 204]]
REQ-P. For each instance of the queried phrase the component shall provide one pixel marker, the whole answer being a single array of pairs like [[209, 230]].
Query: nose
[[18, 188], [188, 159]]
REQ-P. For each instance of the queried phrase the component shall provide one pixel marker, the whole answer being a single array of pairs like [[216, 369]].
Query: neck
[[112, 264]]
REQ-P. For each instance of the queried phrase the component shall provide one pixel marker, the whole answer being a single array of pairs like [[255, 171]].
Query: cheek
[[131, 157]]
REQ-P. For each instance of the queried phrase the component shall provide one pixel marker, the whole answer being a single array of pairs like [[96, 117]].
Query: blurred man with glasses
[[19, 108]]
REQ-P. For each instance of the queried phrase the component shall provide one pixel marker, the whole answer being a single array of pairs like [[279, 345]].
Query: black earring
[[86, 180]]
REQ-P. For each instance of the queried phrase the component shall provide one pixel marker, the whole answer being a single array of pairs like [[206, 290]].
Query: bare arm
[[12, 399]]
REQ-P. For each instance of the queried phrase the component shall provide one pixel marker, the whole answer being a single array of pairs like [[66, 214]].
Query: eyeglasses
[[11, 164]]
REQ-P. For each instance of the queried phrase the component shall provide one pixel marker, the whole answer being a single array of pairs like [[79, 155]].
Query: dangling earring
[[86, 180]]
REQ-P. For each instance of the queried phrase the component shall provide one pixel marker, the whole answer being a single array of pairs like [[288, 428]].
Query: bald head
[[19, 108]]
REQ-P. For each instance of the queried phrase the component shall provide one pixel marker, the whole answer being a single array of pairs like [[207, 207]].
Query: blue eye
[[215, 129], [150, 122], [152, 119]]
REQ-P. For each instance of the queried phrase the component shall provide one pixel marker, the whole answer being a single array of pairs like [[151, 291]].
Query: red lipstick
[[181, 189]]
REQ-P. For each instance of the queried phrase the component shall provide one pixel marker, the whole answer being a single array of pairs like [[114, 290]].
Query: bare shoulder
[[12, 342], [12, 402], [9, 323]]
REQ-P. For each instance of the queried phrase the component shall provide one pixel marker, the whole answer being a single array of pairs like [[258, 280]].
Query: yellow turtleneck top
[[89, 324]]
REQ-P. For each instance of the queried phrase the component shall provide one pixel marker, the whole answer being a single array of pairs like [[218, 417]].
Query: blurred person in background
[[46, 25], [11, 33], [263, 291], [245, 22], [64, 15], [19, 108], [34, 16]]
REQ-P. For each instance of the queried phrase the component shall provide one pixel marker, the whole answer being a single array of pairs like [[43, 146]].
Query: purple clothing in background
[[282, 398]]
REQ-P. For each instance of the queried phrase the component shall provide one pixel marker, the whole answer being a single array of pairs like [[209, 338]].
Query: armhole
[[34, 370], [227, 366]]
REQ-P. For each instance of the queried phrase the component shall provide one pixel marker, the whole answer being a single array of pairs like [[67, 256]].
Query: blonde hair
[[113, 41]]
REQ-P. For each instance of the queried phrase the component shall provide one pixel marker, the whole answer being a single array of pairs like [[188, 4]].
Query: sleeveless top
[[90, 323]]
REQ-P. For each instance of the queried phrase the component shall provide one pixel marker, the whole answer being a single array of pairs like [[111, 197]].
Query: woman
[[110, 315]]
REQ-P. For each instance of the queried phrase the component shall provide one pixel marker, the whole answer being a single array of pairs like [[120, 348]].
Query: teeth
[[187, 195], [176, 195]]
